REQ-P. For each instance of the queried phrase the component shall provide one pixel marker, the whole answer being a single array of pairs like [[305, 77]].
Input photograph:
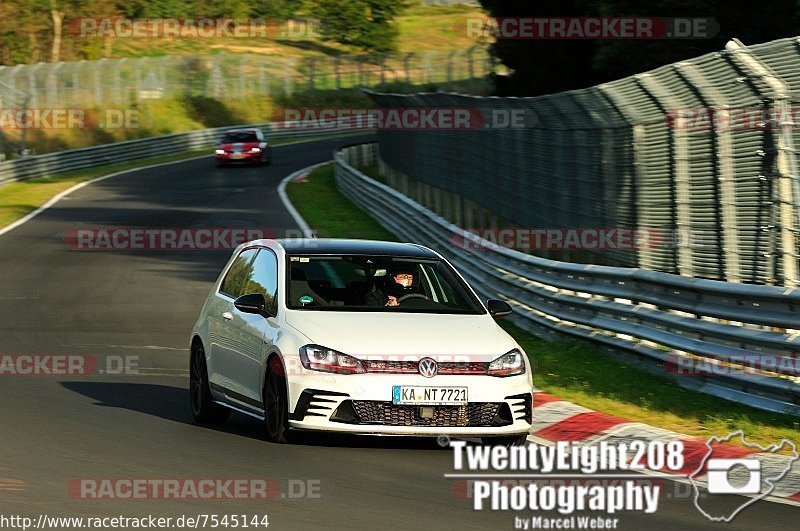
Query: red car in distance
[[248, 146]]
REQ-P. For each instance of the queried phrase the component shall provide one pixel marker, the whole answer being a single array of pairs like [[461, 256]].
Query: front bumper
[[231, 158], [363, 404]]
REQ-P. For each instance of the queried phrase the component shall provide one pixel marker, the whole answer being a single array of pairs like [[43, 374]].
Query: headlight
[[255, 150], [509, 364], [324, 359], [220, 151]]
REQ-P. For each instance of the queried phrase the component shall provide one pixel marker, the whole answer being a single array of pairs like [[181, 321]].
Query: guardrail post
[[728, 223], [457, 206], [788, 185], [680, 173]]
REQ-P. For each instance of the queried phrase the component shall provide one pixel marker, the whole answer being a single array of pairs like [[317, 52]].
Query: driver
[[399, 282]]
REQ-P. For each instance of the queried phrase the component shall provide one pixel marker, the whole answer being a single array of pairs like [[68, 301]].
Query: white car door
[[257, 333], [223, 326]]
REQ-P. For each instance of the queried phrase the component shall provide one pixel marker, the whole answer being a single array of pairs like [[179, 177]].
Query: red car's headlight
[[317, 358]]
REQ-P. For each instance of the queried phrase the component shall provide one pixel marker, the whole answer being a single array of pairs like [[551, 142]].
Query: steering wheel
[[411, 296]]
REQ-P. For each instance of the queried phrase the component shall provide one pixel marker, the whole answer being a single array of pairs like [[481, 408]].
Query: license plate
[[427, 396], [237, 156]]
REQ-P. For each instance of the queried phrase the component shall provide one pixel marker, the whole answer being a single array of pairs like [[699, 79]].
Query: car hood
[[406, 334]]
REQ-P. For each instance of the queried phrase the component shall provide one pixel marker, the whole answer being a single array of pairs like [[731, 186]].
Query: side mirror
[[498, 309], [252, 303]]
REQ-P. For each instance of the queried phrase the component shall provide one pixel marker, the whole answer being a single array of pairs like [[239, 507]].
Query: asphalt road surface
[[141, 306]]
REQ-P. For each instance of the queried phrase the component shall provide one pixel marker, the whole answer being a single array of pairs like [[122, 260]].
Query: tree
[[365, 24], [22, 27], [275, 10], [58, 10], [547, 66]]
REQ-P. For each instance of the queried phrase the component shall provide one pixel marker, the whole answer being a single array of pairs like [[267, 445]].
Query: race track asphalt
[[142, 305]]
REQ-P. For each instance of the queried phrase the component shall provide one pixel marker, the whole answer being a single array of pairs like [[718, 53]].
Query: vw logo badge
[[428, 367]]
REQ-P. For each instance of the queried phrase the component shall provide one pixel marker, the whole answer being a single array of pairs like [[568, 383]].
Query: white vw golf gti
[[356, 336]]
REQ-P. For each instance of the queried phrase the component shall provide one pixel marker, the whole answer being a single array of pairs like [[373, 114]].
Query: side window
[[264, 277], [233, 283]]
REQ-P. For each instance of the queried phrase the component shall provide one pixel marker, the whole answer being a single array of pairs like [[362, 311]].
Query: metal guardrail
[[665, 323], [81, 158], [703, 152]]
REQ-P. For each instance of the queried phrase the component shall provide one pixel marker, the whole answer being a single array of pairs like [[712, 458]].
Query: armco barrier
[[657, 320], [704, 150], [76, 159]]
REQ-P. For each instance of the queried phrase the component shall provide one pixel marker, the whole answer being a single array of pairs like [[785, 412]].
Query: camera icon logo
[[733, 484], [724, 476]]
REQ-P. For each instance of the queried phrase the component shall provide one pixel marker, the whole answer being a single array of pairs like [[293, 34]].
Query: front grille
[[389, 414], [412, 367], [391, 366]]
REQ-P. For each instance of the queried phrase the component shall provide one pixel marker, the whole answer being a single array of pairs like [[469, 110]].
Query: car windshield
[[377, 284], [239, 136]]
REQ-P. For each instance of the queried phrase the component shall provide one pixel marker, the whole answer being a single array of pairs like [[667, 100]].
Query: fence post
[[723, 152], [288, 88], [406, 68], [788, 185], [681, 199], [311, 66], [457, 207]]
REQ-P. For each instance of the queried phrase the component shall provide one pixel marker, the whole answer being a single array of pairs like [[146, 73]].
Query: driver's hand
[[392, 301]]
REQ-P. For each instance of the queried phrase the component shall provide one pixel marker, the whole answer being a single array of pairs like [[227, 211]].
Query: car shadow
[[172, 404]]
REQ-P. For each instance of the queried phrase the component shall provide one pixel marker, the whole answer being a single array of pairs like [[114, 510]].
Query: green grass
[[577, 371], [330, 213], [573, 370]]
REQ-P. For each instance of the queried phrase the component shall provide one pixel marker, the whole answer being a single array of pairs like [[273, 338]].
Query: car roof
[[325, 246], [243, 130]]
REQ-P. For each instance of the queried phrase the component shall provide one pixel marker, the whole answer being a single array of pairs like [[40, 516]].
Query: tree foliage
[[546, 66], [365, 24], [45, 30]]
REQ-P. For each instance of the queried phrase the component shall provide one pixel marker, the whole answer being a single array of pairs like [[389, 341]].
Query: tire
[[204, 410], [276, 403], [510, 440]]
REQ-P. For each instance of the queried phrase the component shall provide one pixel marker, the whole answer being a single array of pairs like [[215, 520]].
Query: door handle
[[227, 315]]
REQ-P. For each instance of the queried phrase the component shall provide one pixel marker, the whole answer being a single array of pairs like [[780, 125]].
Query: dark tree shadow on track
[[172, 403]]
